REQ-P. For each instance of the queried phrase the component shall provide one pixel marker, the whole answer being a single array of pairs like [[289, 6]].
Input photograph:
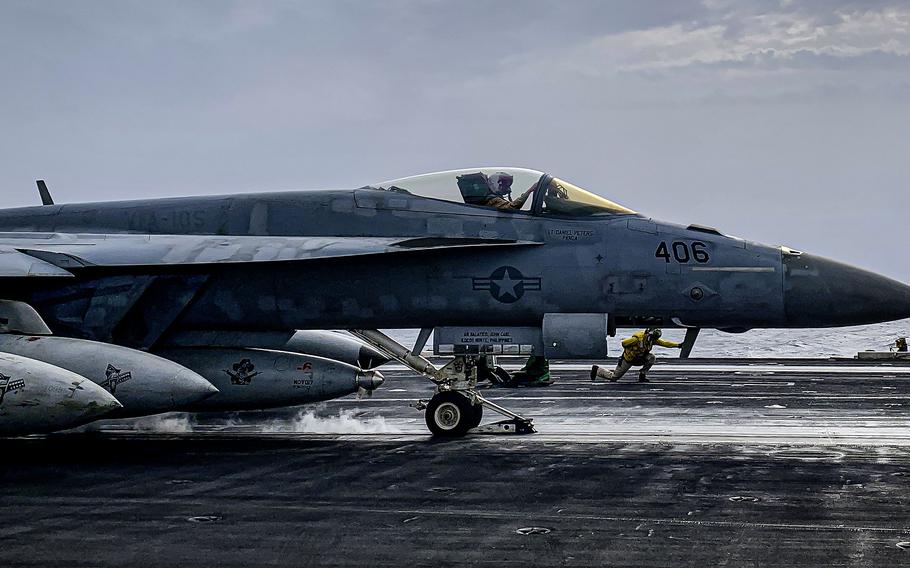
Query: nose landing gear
[[453, 414], [456, 407]]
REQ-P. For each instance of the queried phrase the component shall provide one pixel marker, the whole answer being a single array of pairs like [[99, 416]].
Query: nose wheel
[[451, 414]]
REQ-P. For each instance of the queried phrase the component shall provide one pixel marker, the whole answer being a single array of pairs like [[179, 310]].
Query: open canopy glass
[[508, 189]]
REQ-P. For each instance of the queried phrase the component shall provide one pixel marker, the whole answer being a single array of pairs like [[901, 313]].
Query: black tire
[[476, 416], [449, 415]]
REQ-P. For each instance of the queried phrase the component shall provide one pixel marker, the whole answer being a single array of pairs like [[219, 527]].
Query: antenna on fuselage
[[46, 198]]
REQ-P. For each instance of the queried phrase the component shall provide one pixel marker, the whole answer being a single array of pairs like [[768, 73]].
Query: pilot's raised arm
[[501, 189]]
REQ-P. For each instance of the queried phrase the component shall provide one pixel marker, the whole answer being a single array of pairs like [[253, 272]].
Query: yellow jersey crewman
[[636, 351]]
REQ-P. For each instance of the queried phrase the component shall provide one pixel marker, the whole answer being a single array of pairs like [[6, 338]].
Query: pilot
[[636, 351], [501, 193]]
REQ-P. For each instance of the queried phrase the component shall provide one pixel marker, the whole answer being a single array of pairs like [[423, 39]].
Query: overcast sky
[[785, 122]]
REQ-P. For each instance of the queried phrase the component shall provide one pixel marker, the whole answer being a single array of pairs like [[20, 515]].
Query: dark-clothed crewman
[[636, 351]]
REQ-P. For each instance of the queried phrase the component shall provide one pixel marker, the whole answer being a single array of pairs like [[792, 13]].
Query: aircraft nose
[[370, 380], [819, 292]]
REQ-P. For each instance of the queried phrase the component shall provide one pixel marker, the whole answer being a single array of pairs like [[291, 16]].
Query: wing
[[16, 264], [108, 301], [57, 254]]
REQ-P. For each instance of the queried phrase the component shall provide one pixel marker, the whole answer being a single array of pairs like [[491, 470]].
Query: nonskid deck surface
[[738, 464]]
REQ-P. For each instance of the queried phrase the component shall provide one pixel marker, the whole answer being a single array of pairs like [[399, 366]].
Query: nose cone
[[823, 293], [96, 401], [370, 358], [85, 403], [164, 388], [189, 387], [370, 380]]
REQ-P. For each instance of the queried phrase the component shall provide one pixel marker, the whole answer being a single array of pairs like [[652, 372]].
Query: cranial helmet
[[654, 332], [501, 183]]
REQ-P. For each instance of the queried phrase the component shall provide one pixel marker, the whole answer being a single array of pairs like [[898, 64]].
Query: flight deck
[[713, 462]]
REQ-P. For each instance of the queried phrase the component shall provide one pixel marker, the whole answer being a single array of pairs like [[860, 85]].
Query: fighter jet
[[552, 271]]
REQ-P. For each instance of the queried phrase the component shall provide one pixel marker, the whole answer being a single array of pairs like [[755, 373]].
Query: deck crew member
[[636, 351], [535, 373]]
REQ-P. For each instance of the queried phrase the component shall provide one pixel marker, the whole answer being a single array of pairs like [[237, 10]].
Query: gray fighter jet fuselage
[[220, 284], [413, 261]]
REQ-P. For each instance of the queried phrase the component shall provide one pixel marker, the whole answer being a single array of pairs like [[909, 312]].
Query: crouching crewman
[[636, 351]]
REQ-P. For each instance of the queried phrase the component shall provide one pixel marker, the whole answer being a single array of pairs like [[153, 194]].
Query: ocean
[[762, 343]]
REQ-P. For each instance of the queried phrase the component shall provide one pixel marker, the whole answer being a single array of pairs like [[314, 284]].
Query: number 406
[[683, 252]]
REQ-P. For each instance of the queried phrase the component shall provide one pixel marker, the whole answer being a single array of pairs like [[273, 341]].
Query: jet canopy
[[507, 189]]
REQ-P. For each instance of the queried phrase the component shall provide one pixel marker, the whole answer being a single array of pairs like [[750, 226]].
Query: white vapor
[[345, 422], [172, 423]]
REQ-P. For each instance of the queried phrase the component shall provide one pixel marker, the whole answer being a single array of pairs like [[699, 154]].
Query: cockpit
[[506, 189]]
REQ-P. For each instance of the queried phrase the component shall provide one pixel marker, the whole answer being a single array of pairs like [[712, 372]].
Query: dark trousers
[[623, 367]]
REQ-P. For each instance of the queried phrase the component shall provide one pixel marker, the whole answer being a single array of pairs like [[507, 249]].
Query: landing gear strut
[[456, 407]]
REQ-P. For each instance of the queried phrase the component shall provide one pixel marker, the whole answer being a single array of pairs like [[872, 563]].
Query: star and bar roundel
[[506, 284]]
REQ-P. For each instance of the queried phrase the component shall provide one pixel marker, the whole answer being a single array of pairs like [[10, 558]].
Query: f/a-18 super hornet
[[219, 285]]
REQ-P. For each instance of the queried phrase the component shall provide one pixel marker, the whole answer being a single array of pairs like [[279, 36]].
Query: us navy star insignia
[[506, 284]]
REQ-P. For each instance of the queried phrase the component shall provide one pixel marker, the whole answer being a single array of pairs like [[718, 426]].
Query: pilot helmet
[[501, 183], [654, 333]]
